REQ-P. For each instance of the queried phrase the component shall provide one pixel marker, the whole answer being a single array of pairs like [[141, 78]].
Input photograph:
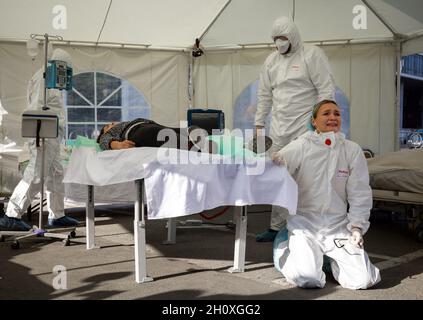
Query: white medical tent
[[149, 44]]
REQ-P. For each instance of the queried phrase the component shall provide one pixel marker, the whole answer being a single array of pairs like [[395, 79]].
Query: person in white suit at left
[[29, 186]]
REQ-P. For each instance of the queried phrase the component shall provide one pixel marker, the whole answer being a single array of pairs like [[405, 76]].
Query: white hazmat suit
[[331, 173], [290, 85], [29, 186]]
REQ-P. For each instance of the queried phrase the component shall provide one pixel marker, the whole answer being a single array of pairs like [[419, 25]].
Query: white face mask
[[328, 138], [282, 45]]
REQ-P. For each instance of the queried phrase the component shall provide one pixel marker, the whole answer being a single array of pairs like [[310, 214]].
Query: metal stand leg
[[171, 231], [240, 240], [40, 217], [90, 219], [139, 237]]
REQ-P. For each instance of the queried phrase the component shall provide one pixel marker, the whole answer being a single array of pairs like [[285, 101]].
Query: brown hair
[[101, 133], [319, 104]]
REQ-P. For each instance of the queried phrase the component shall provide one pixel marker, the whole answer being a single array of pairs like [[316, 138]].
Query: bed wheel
[[73, 234], [15, 245], [66, 242]]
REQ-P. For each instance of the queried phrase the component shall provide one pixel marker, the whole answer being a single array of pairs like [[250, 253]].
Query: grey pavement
[[196, 267]]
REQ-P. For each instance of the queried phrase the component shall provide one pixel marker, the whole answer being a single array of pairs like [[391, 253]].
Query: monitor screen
[[207, 119]]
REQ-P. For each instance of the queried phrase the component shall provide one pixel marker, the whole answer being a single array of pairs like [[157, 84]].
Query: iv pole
[[46, 41], [67, 232]]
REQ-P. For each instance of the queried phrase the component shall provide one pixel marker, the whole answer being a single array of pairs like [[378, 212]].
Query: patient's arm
[[126, 144]]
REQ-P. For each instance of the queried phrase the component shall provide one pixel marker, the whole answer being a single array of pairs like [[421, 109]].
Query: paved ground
[[194, 268]]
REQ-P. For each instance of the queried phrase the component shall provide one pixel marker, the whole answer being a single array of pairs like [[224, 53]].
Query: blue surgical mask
[[282, 45]]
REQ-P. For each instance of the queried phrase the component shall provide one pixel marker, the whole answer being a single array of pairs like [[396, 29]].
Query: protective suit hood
[[284, 26]]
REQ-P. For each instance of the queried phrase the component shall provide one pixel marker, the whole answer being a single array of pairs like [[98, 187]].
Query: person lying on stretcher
[[148, 133]]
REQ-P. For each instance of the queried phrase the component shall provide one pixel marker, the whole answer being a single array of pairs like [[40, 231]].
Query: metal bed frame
[[409, 204]]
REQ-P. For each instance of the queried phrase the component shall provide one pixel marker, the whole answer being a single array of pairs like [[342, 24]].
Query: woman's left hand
[[278, 159], [356, 238]]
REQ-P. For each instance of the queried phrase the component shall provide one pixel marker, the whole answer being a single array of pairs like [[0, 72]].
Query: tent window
[[246, 106], [245, 110], [412, 103], [99, 98], [411, 98]]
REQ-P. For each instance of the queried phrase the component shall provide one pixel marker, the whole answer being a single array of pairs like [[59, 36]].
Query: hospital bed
[[194, 183], [397, 184], [9, 175]]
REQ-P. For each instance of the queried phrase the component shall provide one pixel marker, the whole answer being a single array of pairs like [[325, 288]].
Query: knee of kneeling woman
[[364, 281], [308, 282], [315, 280]]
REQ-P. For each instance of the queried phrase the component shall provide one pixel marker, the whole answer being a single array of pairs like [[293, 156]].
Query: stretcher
[[192, 184], [397, 184]]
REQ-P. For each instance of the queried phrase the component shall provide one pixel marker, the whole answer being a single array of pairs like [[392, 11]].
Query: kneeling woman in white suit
[[334, 203]]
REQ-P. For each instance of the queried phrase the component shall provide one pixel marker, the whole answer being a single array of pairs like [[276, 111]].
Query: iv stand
[[68, 232]]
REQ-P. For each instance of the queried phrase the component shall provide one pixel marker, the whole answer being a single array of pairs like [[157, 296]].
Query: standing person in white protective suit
[[29, 186], [292, 80], [331, 173]]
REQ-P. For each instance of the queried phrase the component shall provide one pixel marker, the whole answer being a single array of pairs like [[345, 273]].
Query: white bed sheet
[[120, 192], [181, 189], [397, 171]]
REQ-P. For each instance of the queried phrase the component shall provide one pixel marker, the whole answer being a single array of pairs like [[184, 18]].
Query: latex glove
[[278, 159], [356, 237]]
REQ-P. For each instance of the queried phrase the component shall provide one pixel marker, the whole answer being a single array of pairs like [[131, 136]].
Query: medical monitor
[[207, 119], [58, 75]]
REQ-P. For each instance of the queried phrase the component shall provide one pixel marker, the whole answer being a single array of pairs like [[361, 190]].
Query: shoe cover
[[280, 249], [63, 222], [13, 224], [267, 236]]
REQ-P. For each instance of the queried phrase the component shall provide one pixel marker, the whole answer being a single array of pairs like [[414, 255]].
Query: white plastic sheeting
[[365, 73], [159, 75]]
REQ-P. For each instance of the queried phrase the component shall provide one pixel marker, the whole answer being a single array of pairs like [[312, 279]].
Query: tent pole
[[191, 82], [214, 20], [398, 51], [104, 22], [381, 19]]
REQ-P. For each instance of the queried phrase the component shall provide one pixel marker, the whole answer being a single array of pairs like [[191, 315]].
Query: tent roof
[[175, 24], [160, 23], [247, 22]]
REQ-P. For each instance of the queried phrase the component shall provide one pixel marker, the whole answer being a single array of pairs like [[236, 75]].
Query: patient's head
[[106, 128]]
